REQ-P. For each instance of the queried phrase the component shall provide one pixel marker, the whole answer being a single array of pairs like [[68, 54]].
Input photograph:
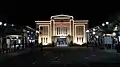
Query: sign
[[107, 40], [62, 24]]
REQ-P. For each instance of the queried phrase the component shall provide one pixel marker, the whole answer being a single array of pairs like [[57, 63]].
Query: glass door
[[61, 42]]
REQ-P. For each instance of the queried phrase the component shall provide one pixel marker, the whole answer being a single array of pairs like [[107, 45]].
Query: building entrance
[[62, 42]]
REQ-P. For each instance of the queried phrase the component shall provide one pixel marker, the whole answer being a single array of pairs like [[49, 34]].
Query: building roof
[[61, 15]]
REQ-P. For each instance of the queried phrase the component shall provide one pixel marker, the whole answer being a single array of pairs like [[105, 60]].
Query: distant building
[[19, 35], [62, 29]]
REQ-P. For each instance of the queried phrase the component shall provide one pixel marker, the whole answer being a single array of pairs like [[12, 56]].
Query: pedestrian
[[4, 48], [41, 46], [118, 48], [14, 46]]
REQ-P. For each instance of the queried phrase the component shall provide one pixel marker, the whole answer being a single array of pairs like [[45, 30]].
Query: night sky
[[25, 13]]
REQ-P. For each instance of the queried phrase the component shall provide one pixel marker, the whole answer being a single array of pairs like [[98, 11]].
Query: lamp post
[[1, 37]]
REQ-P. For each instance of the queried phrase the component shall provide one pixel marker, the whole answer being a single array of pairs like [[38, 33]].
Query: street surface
[[65, 57]]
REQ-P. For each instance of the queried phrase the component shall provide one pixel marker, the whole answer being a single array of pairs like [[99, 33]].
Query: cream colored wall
[[75, 36]]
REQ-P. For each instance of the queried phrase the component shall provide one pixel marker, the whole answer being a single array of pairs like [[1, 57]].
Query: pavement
[[5, 56], [64, 57]]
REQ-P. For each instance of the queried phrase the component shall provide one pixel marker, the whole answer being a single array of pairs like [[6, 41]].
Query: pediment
[[61, 16]]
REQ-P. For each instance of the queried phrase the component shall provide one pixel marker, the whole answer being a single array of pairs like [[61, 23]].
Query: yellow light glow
[[49, 41], [45, 43], [80, 43], [39, 40]]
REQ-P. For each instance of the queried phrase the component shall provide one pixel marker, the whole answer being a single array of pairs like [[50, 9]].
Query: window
[[41, 28], [44, 30], [57, 30], [63, 30], [46, 40], [60, 30], [66, 30], [79, 30], [41, 39], [82, 39], [77, 39]]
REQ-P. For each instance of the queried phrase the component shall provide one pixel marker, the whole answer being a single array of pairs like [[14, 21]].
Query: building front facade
[[62, 29]]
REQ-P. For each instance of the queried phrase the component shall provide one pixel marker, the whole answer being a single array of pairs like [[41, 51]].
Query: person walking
[[4, 48], [41, 46]]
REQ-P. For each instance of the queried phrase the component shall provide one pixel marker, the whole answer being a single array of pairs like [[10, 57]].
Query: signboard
[[107, 40], [62, 24]]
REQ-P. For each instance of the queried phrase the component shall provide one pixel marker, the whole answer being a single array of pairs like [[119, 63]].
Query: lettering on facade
[[62, 24]]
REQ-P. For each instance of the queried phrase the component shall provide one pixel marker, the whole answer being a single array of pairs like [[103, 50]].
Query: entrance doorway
[[62, 42]]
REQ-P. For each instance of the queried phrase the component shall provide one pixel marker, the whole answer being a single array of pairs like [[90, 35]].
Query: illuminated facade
[[62, 29]]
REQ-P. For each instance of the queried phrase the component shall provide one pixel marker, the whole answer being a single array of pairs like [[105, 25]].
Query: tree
[[107, 28]]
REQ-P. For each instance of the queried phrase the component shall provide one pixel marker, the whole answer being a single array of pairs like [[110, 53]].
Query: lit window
[[77, 39], [41, 39], [66, 30], [82, 39], [46, 40], [57, 30]]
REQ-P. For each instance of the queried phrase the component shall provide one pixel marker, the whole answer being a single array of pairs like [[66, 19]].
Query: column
[[84, 39], [53, 28]]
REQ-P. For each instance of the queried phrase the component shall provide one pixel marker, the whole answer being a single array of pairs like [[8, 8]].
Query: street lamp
[[12, 24], [93, 32], [96, 36], [28, 31], [5, 24], [116, 28], [93, 29], [114, 34], [38, 31], [87, 31], [103, 24], [0, 23], [107, 23]]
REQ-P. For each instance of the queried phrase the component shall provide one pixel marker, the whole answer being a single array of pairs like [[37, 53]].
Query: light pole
[[1, 37]]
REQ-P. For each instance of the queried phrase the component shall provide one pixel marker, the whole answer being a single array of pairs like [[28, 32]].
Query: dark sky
[[25, 13]]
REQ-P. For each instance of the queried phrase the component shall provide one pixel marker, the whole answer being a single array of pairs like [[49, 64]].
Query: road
[[86, 57]]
